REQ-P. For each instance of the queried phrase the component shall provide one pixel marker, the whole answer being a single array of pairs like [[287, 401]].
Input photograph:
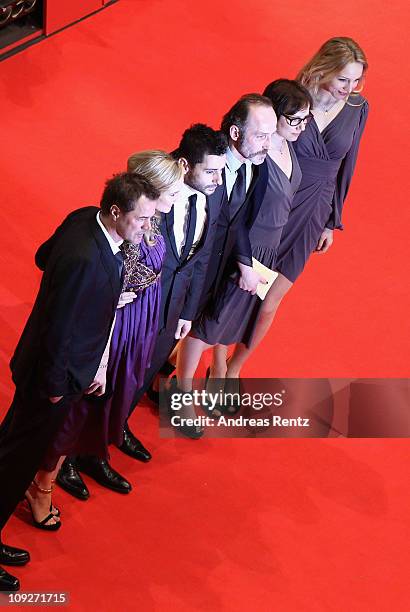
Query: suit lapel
[[169, 226], [224, 209], [192, 221], [214, 204], [213, 209], [255, 176], [107, 257], [208, 219]]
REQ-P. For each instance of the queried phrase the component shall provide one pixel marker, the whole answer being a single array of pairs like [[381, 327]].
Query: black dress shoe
[[167, 368], [70, 480], [13, 556], [132, 446], [153, 395], [101, 471], [8, 582]]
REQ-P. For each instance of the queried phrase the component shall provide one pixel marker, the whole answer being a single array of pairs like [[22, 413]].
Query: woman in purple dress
[[217, 325], [98, 419]]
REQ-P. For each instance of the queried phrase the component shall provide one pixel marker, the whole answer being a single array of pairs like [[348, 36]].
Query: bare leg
[[266, 315], [217, 371], [41, 501], [218, 365], [189, 354], [173, 356]]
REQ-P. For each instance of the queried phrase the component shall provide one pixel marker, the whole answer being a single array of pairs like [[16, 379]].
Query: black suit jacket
[[242, 250], [65, 336], [183, 279], [231, 242]]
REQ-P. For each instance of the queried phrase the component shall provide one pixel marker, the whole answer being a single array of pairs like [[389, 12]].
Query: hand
[[249, 279], [183, 328], [126, 298], [325, 241], [55, 400], [99, 383]]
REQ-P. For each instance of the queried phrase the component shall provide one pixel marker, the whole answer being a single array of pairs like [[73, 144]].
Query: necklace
[[281, 149], [324, 108]]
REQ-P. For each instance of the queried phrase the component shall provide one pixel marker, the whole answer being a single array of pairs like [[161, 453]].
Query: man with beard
[[248, 125]]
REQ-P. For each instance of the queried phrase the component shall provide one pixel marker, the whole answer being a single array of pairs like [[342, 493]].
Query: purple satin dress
[[93, 424], [327, 160]]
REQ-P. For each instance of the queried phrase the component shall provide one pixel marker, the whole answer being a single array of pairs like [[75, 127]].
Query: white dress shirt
[[231, 171], [181, 217], [115, 246]]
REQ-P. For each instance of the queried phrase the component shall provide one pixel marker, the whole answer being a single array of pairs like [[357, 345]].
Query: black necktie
[[238, 193], [191, 225], [120, 256]]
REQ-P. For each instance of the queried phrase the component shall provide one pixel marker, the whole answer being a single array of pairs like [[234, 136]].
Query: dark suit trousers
[[25, 434], [163, 348]]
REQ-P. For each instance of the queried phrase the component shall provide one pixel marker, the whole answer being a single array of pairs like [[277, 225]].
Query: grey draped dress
[[327, 160], [233, 315]]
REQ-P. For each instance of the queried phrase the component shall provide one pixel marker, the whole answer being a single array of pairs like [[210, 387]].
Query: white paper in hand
[[268, 274]]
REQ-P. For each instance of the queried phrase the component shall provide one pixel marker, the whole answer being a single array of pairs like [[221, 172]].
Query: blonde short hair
[[162, 171], [159, 167], [331, 58]]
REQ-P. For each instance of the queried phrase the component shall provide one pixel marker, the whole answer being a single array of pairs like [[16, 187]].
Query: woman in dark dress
[[236, 315], [327, 152], [98, 420]]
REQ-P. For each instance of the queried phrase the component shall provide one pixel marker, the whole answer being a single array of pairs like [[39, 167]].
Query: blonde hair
[[331, 58], [161, 170], [159, 167]]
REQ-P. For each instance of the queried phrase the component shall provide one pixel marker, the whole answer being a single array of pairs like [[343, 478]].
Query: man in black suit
[[249, 126], [59, 352]]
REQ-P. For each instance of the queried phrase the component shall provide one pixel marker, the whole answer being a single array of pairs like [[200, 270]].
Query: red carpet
[[222, 525]]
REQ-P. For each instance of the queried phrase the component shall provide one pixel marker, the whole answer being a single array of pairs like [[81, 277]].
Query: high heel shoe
[[54, 509], [218, 410], [190, 431], [167, 368], [153, 395], [43, 523], [232, 387]]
